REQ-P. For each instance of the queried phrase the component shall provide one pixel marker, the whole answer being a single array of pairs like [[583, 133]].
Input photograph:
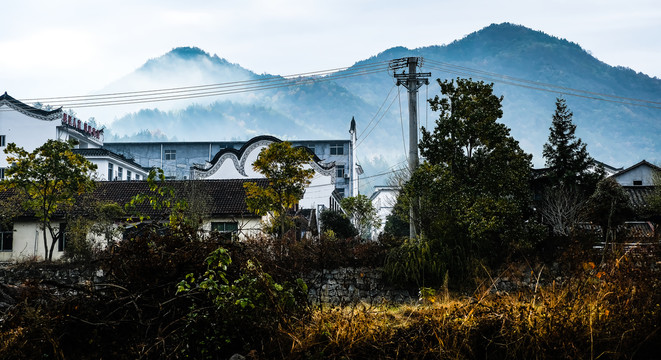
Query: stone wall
[[337, 286], [351, 285], [60, 273]]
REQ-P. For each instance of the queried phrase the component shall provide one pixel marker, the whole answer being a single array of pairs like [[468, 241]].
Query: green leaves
[[50, 177], [473, 186], [283, 166], [566, 156]]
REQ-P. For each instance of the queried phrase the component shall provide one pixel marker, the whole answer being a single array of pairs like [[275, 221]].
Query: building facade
[[30, 127]]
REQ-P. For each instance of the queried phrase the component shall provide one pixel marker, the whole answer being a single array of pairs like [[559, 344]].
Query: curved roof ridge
[[26, 109], [240, 152]]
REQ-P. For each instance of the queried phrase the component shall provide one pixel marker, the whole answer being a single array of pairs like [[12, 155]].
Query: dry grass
[[605, 311]]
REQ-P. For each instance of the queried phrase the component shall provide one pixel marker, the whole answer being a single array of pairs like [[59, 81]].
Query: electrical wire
[[504, 79], [358, 143], [378, 111], [218, 89]]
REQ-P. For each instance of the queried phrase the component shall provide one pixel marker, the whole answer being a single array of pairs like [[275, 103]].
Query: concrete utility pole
[[412, 82]]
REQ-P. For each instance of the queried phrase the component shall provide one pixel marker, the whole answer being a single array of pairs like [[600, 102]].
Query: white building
[[640, 174], [383, 199], [30, 127], [237, 164]]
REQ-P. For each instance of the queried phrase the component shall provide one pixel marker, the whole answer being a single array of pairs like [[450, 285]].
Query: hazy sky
[[71, 47]]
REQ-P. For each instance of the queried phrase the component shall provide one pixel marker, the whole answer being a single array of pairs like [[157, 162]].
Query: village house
[[220, 204]]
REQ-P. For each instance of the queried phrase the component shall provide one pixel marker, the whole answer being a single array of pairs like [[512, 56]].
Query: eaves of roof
[[29, 110], [641, 163], [101, 152]]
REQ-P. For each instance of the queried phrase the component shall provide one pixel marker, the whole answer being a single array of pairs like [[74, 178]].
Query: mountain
[[321, 107]]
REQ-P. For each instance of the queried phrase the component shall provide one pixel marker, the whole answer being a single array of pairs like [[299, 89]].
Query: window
[[638, 182], [339, 170], [6, 240], [2, 140], [137, 177], [170, 154], [2, 173], [128, 174], [110, 172], [225, 226], [62, 237], [227, 229], [337, 149], [119, 173]]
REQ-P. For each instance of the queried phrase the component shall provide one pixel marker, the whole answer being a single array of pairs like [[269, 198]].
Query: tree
[[567, 157], [49, 179], [338, 223], [283, 166], [363, 213], [473, 184], [609, 207]]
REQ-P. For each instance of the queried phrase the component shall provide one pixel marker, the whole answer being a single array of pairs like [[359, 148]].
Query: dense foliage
[[338, 223], [473, 185]]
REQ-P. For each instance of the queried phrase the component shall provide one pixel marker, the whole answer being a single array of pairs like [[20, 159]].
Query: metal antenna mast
[[412, 82]]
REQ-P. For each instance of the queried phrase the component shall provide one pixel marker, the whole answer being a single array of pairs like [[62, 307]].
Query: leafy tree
[[566, 156], [397, 222], [473, 184], [363, 213], [609, 206], [282, 165], [338, 223], [49, 179]]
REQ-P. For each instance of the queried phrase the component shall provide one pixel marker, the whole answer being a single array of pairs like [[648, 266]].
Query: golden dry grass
[[604, 312]]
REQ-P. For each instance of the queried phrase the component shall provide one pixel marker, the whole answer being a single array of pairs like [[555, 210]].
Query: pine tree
[[567, 157]]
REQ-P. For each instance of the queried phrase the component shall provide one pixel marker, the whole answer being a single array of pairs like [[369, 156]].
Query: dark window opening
[[62, 237], [337, 149], [6, 240]]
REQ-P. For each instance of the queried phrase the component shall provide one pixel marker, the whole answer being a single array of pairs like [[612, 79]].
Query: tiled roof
[[214, 198], [29, 110], [638, 194]]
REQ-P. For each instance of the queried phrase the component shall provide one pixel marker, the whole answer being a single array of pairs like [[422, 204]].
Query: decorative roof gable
[[10, 102]]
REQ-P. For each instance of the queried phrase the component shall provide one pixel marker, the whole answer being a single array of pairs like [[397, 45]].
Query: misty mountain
[[322, 107]]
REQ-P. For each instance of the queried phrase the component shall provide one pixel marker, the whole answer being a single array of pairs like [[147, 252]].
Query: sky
[[76, 47]]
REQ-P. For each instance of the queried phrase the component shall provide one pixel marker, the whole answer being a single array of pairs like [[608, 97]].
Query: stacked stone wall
[[352, 285]]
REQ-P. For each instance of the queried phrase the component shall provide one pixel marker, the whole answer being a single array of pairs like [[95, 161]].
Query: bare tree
[[562, 208]]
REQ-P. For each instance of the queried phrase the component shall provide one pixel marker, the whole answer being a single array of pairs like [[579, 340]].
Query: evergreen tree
[[567, 157]]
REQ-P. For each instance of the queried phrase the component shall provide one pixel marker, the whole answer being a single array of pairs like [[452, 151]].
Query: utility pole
[[412, 82]]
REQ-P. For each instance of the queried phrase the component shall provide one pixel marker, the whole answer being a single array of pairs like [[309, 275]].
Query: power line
[[218, 89], [504, 79], [377, 123]]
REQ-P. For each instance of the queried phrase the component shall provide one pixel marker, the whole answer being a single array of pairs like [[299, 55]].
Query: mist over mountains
[[617, 133]]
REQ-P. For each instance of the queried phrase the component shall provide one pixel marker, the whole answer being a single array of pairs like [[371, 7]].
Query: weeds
[[605, 311]]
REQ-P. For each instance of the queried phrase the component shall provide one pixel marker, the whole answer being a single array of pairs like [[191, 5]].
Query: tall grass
[[604, 311]]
